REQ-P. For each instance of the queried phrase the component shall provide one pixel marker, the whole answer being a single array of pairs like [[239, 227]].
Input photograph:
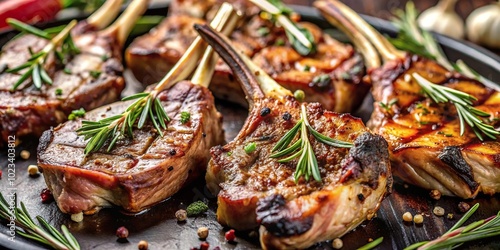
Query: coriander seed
[[25, 154], [337, 243], [181, 215], [438, 211], [418, 219], [77, 217], [143, 245], [202, 232], [407, 217], [33, 170]]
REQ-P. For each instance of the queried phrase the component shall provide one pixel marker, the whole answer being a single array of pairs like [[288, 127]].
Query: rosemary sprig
[[372, 244], [300, 38], [26, 227], [463, 103], [459, 234], [114, 127], [421, 42], [307, 164], [61, 44]]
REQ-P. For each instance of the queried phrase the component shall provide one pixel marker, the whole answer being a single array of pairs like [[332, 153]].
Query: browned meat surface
[[94, 79], [137, 173], [426, 147], [254, 189], [338, 66], [424, 138]]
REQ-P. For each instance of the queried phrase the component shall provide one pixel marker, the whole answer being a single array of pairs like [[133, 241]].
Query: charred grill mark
[[273, 215], [367, 159], [452, 157], [45, 140]]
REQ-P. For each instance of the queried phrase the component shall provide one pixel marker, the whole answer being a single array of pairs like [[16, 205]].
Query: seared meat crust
[[137, 173], [95, 79], [255, 189], [424, 137]]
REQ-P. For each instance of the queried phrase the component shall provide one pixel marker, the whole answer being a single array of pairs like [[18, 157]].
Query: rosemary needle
[[463, 103], [45, 234], [307, 164]]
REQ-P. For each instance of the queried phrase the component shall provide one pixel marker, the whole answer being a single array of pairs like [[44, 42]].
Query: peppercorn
[[463, 207], [25, 154], [143, 245], [287, 116], [438, 211], [122, 232], [435, 194], [337, 243], [230, 236], [33, 170], [77, 217], [407, 217], [202, 232], [181, 215], [204, 245], [265, 111], [418, 219], [46, 195]]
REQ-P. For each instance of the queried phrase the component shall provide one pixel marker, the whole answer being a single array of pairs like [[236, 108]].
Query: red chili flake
[[230, 235], [204, 245], [46, 196], [0, 174]]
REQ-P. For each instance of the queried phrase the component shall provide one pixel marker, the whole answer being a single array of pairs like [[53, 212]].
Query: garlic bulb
[[483, 25], [443, 19]]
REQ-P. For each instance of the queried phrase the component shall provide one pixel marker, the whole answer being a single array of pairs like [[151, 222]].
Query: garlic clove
[[443, 19], [483, 25]]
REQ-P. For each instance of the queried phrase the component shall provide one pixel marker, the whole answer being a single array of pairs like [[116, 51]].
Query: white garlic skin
[[443, 19], [483, 25]]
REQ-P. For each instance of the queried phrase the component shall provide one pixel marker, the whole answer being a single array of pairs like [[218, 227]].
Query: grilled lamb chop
[[148, 168], [424, 138], [255, 189], [328, 76], [91, 79]]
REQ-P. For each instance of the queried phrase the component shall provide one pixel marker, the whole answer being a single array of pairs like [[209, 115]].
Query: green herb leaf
[[23, 27], [185, 116], [196, 208], [300, 38], [95, 73], [76, 113], [297, 44], [250, 147]]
